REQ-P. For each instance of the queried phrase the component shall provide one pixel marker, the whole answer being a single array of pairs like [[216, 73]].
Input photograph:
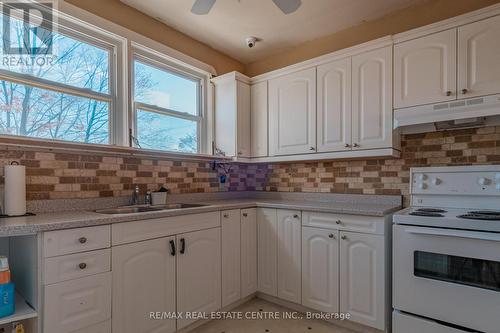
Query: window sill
[[32, 144]]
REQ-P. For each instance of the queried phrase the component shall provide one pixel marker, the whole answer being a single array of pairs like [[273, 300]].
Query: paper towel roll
[[15, 190]]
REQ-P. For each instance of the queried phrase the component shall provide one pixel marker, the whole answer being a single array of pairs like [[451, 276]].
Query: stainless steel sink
[[144, 209]]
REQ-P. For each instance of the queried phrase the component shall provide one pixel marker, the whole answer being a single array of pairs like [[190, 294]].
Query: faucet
[[135, 195]]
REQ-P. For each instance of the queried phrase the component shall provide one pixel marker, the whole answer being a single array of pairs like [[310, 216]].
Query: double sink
[[145, 208]]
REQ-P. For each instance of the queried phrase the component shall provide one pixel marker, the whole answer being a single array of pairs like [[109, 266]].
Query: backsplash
[[52, 175]]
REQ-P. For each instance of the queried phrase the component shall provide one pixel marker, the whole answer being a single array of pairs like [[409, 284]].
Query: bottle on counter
[[7, 304]]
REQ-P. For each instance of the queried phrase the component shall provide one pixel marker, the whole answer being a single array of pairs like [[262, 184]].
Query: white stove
[[446, 253]]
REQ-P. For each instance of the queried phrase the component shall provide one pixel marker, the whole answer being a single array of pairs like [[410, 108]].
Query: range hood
[[451, 111]]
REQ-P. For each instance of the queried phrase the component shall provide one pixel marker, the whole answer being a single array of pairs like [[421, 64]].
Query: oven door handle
[[455, 233]]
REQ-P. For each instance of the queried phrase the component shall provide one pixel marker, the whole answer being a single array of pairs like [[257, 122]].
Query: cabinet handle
[[344, 237], [312, 148], [355, 145], [172, 248], [295, 216], [464, 91], [245, 214], [347, 145], [331, 236], [226, 215], [183, 246], [240, 153], [82, 265], [338, 222], [448, 93], [82, 240]]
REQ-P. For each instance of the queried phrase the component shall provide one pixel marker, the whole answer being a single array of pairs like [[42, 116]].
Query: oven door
[[448, 275]]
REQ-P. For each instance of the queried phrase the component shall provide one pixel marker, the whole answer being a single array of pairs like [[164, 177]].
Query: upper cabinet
[[334, 106], [425, 70], [479, 58], [372, 99], [232, 115], [259, 119], [292, 113]]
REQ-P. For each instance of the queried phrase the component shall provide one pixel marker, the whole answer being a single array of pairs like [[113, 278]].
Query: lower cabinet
[[248, 252], [320, 269], [267, 251], [143, 282], [181, 273], [289, 255], [363, 278], [231, 261]]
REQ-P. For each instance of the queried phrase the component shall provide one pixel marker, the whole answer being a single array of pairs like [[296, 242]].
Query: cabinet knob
[[226, 216], [448, 93], [240, 153], [82, 265], [295, 216], [82, 240], [347, 145], [344, 237], [312, 148], [464, 91], [338, 222], [355, 145], [331, 236], [245, 214]]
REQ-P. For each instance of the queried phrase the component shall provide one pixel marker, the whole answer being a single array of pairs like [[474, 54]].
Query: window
[[166, 107], [66, 93]]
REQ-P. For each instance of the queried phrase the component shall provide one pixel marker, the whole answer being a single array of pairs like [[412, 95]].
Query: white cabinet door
[[362, 278], [334, 106], [225, 101], [292, 113], [259, 119], [479, 58], [267, 245], [230, 221], [320, 269], [289, 255], [248, 251], [243, 121], [372, 99], [425, 70], [198, 273], [143, 282]]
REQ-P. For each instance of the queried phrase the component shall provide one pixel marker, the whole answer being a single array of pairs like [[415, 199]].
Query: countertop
[[83, 218]]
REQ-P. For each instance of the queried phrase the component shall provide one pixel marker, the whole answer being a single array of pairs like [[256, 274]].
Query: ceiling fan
[[202, 7]]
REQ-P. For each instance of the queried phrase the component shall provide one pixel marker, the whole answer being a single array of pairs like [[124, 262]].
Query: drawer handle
[[183, 246], [245, 214], [344, 237], [331, 236], [338, 222], [82, 265], [82, 240]]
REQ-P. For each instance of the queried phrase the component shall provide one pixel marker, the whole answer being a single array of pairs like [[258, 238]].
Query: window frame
[[162, 62], [116, 47]]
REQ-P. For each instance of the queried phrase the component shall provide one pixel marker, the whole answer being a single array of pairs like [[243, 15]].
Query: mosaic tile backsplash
[[52, 175]]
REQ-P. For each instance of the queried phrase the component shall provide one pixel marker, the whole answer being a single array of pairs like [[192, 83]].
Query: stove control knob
[[422, 186], [436, 181], [422, 177], [483, 181]]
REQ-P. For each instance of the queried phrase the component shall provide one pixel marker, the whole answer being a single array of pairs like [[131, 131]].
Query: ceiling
[[231, 21]]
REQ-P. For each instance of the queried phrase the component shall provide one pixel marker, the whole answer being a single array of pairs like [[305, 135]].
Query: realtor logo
[[28, 27]]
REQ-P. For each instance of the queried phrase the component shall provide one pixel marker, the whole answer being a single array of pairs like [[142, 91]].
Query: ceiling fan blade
[[288, 6], [202, 7]]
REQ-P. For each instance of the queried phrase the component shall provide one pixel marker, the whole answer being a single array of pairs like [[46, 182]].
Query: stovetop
[[456, 218]]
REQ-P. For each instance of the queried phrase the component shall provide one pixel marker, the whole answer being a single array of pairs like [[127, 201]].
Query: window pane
[[162, 132], [35, 112], [70, 61], [165, 89]]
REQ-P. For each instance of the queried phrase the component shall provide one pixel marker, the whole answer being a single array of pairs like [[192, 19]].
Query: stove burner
[[485, 212], [431, 210], [486, 216], [426, 214]]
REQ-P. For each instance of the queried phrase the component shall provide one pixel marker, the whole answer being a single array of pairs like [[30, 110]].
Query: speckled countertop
[[348, 204]]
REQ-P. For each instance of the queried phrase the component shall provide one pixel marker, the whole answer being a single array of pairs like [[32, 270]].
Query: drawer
[[104, 327], [357, 223], [73, 305], [404, 323], [74, 266], [61, 242], [129, 232]]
